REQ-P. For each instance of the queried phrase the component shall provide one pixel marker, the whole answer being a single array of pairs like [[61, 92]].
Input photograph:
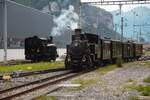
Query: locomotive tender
[[87, 50], [40, 49]]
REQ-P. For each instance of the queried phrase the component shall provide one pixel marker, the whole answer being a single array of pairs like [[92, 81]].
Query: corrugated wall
[[1, 18], [24, 21]]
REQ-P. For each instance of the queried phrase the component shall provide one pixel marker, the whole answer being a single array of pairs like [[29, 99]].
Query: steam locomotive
[[88, 50], [40, 49]]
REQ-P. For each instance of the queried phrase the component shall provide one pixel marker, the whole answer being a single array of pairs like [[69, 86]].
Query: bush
[[119, 62]]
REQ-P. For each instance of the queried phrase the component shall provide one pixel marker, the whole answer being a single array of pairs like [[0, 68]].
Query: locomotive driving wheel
[[67, 63], [87, 62]]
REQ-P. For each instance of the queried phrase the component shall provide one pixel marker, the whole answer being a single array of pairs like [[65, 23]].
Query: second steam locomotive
[[87, 50], [40, 49]]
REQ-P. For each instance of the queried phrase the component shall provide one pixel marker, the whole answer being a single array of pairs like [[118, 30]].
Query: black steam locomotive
[[40, 49], [87, 50]]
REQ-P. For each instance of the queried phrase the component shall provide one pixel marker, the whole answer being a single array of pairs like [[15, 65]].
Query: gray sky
[[125, 8]]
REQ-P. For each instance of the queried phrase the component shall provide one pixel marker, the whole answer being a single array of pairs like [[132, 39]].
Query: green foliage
[[119, 62], [32, 66]]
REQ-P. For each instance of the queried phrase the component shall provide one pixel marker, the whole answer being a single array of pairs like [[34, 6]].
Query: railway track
[[24, 89], [23, 74]]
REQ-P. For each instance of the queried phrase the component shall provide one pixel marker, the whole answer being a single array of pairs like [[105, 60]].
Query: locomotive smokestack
[[78, 31]]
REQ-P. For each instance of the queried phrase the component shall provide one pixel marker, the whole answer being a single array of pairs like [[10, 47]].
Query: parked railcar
[[87, 50], [40, 49]]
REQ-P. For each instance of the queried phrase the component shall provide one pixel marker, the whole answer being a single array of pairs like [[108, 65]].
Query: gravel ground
[[22, 80], [109, 86]]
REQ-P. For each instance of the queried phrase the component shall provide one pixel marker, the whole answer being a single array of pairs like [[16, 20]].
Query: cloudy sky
[[125, 8]]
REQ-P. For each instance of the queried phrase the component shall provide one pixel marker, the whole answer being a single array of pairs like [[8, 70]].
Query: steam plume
[[68, 20]]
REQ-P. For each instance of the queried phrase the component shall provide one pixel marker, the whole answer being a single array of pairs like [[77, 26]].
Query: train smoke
[[68, 20]]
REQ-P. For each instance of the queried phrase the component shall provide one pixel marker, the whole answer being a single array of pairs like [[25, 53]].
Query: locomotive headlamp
[[38, 50], [84, 59], [76, 44], [69, 58]]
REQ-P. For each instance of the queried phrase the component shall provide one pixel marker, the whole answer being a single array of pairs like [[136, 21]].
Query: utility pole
[[121, 29], [115, 31], [133, 24], [140, 34], [97, 23], [80, 15], [5, 30]]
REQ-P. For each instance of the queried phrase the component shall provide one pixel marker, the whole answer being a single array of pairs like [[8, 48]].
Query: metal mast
[[80, 15], [5, 30]]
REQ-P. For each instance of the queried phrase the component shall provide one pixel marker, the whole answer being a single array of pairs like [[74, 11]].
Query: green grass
[[105, 69], [31, 67], [119, 62], [89, 81], [145, 90], [133, 97], [147, 53], [130, 80], [45, 98], [83, 82], [146, 62], [147, 80]]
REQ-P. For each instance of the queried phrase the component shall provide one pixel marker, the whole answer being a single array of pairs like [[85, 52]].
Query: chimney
[[78, 32]]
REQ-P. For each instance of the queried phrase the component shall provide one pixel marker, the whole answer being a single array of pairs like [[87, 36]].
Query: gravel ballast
[[110, 86]]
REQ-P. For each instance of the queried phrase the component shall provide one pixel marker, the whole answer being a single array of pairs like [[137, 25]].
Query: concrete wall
[[24, 21]]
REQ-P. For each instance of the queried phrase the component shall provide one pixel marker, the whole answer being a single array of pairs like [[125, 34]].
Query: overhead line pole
[[121, 20], [5, 30], [80, 15]]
